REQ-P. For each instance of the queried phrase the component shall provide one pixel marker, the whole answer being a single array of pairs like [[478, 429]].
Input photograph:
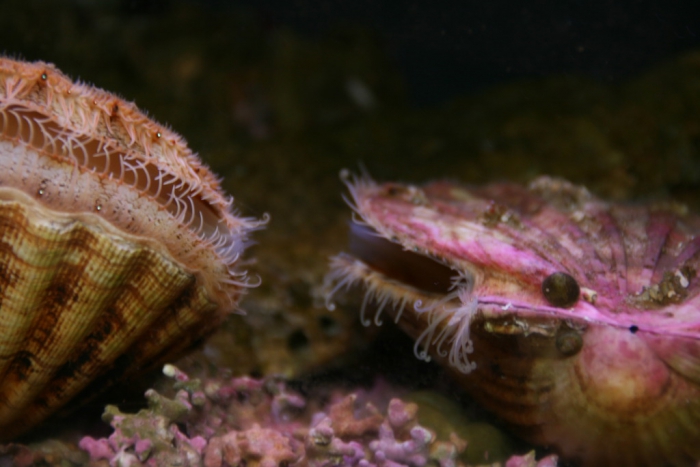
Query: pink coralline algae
[[222, 421], [243, 421]]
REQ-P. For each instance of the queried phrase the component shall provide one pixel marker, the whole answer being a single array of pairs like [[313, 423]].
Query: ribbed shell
[[79, 299], [613, 379]]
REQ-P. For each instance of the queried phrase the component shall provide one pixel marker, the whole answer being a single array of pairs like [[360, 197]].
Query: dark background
[[445, 48]]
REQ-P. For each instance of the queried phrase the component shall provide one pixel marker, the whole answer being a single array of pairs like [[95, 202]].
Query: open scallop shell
[[118, 248], [575, 320]]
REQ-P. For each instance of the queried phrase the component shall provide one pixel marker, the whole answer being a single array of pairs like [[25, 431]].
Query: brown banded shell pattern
[[118, 248], [605, 371]]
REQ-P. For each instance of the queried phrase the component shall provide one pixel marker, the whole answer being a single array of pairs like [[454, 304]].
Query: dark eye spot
[[634, 328], [569, 342], [561, 290]]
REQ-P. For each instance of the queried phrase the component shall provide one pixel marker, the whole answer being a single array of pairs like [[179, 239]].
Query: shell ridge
[[543, 234], [46, 322], [605, 236], [657, 236]]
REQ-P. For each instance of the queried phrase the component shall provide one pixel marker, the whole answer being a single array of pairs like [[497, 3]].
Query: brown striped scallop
[[118, 247]]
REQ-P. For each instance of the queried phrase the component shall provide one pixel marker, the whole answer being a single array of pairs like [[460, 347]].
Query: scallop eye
[[569, 342], [561, 290]]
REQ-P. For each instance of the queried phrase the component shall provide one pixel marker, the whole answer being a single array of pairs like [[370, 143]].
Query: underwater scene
[[373, 234]]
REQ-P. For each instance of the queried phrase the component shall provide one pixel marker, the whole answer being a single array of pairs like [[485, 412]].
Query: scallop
[[575, 320], [118, 248]]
